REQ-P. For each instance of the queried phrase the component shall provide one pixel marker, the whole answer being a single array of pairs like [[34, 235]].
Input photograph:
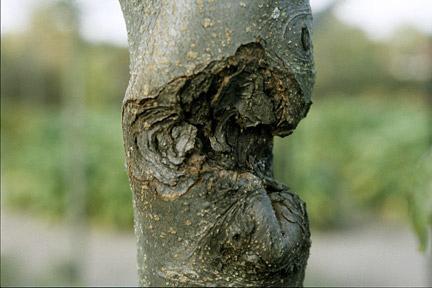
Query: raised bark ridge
[[199, 156]]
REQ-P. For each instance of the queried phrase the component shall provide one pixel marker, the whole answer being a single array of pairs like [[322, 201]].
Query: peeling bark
[[211, 83]]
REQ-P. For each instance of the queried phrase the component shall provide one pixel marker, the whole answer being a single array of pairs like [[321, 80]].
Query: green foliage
[[353, 154], [348, 63], [34, 165], [32, 171], [107, 74], [110, 198], [421, 198]]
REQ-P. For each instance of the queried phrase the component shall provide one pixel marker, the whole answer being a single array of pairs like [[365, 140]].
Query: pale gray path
[[34, 251], [377, 255], [38, 252]]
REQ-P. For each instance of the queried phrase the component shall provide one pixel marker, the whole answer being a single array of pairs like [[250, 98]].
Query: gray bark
[[212, 81]]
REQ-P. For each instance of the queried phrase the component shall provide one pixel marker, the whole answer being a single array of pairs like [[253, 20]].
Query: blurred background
[[362, 159]]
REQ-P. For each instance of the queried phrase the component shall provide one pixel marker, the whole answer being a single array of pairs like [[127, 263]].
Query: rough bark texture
[[212, 81]]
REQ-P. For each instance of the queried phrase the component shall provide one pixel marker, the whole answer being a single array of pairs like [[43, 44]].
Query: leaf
[[420, 200]]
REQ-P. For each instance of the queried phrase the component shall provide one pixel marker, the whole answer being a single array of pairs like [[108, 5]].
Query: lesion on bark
[[199, 156]]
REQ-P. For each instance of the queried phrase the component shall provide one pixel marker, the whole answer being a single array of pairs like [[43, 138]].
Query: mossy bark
[[211, 83]]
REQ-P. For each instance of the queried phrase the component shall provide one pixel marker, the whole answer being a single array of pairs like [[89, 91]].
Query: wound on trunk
[[199, 155]]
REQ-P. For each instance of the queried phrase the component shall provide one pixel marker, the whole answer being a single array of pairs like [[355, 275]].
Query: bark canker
[[199, 157]]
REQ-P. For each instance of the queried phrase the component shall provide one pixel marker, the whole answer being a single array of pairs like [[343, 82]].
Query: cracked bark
[[211, 83]]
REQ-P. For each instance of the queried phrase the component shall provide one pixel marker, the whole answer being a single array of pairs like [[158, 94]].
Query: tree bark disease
[[212, 81]]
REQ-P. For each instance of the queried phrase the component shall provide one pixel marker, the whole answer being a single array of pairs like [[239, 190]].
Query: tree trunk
[[211, 83]]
